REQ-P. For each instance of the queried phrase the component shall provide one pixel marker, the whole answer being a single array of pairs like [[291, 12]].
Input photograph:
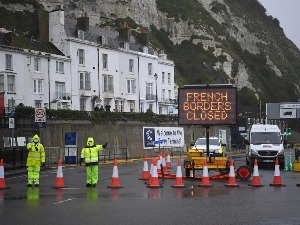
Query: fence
[[14, 156]]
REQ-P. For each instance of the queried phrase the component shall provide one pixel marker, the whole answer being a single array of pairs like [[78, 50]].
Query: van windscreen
[[258, 138]]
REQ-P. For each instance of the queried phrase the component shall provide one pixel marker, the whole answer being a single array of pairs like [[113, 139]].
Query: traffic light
[[287, 131]]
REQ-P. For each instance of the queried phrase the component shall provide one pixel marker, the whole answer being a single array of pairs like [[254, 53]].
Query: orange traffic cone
[[231, 179], [115, 182], [256, 178], [205, 178], [277, 178], [169, 166], [145, 174], [2, 179], [59, 182], [178, 180], [159, 162], [154, 180], [164, 165]]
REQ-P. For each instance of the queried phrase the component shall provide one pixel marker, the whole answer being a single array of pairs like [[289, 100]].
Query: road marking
[[63, 201]]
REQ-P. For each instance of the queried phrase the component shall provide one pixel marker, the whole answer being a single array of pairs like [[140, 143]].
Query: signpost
[[40, 117], [207, 105]]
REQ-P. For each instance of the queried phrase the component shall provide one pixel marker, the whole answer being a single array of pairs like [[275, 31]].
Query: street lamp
[[155, 77]]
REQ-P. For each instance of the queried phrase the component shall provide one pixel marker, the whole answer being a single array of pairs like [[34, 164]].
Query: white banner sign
[[155, 137], [288, 113], [290, 106]]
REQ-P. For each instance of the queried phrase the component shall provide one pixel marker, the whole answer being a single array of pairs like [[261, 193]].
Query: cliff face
[[210, 41]]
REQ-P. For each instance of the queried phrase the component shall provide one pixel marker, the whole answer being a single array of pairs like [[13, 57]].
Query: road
[[137, 204]]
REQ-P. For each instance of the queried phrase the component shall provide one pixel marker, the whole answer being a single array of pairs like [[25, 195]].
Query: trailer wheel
[[243, 173]]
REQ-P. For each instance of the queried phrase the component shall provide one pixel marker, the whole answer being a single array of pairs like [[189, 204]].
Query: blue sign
[[149, 137], [70, 139], [159, 142]]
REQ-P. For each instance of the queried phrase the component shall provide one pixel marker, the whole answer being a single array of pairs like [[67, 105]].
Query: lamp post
[[155, 77]]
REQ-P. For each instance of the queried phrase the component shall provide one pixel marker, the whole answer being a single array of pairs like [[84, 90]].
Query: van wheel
[[243, 173]]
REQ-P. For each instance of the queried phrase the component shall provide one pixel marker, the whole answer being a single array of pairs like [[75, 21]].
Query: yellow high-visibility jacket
[[36, 154], [90, 152]]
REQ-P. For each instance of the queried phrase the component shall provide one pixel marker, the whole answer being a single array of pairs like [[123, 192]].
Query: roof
[[23, 42], [94, 33]]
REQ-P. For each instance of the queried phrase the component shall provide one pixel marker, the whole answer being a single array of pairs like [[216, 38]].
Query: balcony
[[62, 96], [150, 97], [167, 100]]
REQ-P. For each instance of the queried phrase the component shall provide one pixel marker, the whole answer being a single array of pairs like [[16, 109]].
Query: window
[[81, 56], [132, 106], [11, 83], [37, 104], [82, 104], [169, 93], [80, 34], [121, 106], [130, 65], [163, 94], [59, 67], [8, 62], [85, 81], [108, 82], [60, 90], [38, 86], [10, 103], [163, 77], [149, 91], [149, 69], [131, 86], [105, 61], [151, 107], [142, 107], [37, 64], [169, 78], [2, 83], [103, 40]]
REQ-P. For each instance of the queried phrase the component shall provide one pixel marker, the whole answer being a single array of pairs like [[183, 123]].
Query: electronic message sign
[[207, 105]]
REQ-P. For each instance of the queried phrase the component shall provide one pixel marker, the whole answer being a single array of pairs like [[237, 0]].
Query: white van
[[265, 144], [214, 145]]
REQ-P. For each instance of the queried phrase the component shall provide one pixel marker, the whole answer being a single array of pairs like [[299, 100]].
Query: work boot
[[29, 185], [88, 185]]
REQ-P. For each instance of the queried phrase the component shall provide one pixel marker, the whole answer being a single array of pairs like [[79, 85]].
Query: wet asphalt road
[[137, 204]]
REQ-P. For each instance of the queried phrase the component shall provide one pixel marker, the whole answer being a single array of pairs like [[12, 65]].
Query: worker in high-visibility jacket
[[90, 156], [36, 158]]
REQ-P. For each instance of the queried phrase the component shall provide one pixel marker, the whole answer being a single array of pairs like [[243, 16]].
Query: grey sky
[[287, 12]]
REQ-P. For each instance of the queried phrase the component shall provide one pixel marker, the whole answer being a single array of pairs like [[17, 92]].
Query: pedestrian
[[36, 158], [90, 156], [96, 108], [101, 108], [107, 107]]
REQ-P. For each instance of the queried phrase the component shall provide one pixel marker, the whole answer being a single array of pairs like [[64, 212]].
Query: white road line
[[63, 201]]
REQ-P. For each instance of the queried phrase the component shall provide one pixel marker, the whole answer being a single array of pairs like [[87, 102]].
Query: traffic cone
[[115, 182], [231, 178], [145, 173], [164, 164], [2, 179], [205, 178], [178, 180], [154, 180], [158, 164], [256, 178], [151, 171], [277, 178], [169, 166], [59, 182]]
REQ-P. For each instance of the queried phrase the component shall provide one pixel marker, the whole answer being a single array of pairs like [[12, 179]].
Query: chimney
[[125, 31], [10, 37], [42, 25], [143, 36], [83, 22]]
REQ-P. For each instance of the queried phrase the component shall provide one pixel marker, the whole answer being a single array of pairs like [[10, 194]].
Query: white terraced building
[[90, 66]]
